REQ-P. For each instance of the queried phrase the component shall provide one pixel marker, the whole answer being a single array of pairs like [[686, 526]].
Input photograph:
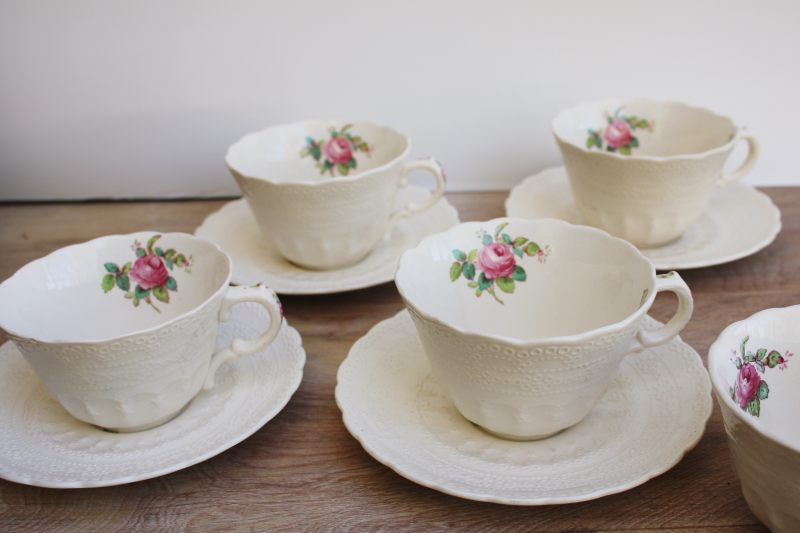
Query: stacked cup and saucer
[[653, 173], [327, 206]]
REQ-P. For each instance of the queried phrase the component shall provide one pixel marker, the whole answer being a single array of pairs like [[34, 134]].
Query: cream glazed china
[[644, 170], [41, 444], [525, 322], [255, 259], [398, 410], [739, 221], [323, 191], [756, 378], [121, 329]]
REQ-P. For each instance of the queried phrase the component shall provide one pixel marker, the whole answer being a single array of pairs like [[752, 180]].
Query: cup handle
[[730, 177], [670, 281], [427, 163], [257, 293]]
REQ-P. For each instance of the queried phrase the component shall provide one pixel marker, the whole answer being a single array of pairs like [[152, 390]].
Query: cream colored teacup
[[121, 330], [323, 192], [644, 170], [525, 322]]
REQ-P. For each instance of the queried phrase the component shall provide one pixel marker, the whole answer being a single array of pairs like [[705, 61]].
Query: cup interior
[[648, 128], [297, 153], [86, 292], [755, 369], [568, 279]]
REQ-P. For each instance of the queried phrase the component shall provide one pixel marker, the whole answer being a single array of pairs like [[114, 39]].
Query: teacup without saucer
[[525, 322]]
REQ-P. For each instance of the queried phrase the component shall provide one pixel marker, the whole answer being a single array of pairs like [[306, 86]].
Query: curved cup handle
[[427, 163], [257, 293], [667, 282], [730, 177]]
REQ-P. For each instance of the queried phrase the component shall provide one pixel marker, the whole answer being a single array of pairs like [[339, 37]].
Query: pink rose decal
[[747, 383], [337, 150], [496, 260], [495, 263], [149, 271], [617, 134], [337, 153]]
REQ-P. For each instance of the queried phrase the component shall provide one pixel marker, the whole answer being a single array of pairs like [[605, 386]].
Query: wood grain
[[304, 472]]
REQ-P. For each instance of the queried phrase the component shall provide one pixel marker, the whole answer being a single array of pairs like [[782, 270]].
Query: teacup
[[756, 378], [525, 322], [121, 330], [324, 191], [644, 170]]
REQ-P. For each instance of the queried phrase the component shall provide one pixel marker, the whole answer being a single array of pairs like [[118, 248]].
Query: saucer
[[654, 411], [739, 221], [255, 259], [43, 445]]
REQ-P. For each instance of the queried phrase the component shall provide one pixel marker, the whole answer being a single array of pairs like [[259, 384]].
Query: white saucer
[[255, 259], [654, 411], [43, 445], [739, 221]]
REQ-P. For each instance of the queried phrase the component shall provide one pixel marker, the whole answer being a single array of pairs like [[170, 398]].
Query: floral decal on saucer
[[495, 263], [618, 134], [750, 389], [150, 272], [337, 153]]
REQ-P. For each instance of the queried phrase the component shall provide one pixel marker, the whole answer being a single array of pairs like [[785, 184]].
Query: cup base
[[145, 427], [508, 436]]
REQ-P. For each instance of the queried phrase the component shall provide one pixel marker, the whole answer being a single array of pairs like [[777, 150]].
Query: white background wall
[[142, 98]]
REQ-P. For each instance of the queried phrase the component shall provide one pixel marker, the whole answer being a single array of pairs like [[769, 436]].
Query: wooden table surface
[[304, 471]]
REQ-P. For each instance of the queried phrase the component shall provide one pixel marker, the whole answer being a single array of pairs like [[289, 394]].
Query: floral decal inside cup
[[618, 135], [150, 271], [337, 153], [495, 263], [750, 389]]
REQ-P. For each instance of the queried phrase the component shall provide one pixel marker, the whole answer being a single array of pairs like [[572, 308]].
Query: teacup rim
[[338, 179], [573, 340], [720, 390], [171, 321], [652, 158]]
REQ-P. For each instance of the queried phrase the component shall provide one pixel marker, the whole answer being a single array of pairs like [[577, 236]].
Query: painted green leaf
[[754, 406], [611, 149], [468, 269], [141, 252], [151, 242], [763, 390], [610, 120], [506, 284], [749, 358], [625, 150], [136, 302], [123, 282], [159, 252], [738, 363], [507, 239], [472, 255], [108, 282], [772, 359], [487, 239], [352, 162], [169, 253], [310, 141], [472, 284], [760, 366], [315, 152], [478, 292], [171, 284], [129, 295], [642, 123], [161, 293], [343, 169], [744, 342], [499, 228], [732, 392], [334, 133], [111, 267], [459, 255], [532, 248], [169, 263], [126, 267], [519, 273], [519, 241], [140, 292], [518, 251], [598, 142], [455, 271], [305, 152], [589, 142], [761, 353], [181, 260], [634, 142], [484, 283], [364, 147]]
